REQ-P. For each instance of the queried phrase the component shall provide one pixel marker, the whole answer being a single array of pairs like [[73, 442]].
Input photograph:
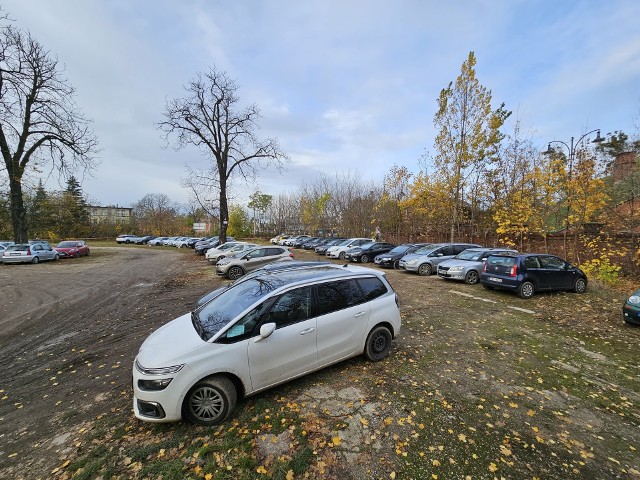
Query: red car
[[72, 248]]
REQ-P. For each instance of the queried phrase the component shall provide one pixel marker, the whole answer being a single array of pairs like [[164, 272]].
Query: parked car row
[[494, 268], [36, 251]]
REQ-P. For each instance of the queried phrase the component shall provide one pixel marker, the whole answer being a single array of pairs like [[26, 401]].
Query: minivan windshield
[[213, 316], [400, 249], [425, 249], [472, 255]]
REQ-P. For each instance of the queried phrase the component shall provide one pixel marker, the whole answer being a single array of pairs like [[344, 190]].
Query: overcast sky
[[346, 86]]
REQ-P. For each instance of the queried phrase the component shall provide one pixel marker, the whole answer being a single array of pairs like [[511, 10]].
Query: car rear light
[[28, 251], [291, 255], [514, 271], [484, 269]]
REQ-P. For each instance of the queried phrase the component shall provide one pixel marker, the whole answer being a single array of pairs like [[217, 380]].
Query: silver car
[[214, 255], [425, 260], [29, 253], [235, 267], [467, 265]]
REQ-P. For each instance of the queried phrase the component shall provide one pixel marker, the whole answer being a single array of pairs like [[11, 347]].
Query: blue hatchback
[[529, 273]]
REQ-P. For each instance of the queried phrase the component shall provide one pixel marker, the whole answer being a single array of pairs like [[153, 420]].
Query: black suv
[[532, 272]]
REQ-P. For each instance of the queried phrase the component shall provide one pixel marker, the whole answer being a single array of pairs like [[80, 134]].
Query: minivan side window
[[291, 307], [446, 250], [334, 296], [372, 287], [461, 248], [244, 328]]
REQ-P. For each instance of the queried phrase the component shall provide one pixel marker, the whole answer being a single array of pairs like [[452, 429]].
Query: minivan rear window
[[372, 287]]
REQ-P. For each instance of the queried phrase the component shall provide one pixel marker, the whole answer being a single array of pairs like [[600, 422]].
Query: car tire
[[425, 269], [35, 260], [396, 265], [56, 257], [127, 241], [210, 401], [526, 290], [88, 252], [235, 273], [472, 277], [342, 255], [378, 344], [580, 286], [77, 255], [364, 258], [488, 287]]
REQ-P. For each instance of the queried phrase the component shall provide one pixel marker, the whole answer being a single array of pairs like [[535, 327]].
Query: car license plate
[[15, 254], [494, 279]]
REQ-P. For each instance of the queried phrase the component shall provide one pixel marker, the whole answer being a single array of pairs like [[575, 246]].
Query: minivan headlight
[[158, 371], [155, 384]]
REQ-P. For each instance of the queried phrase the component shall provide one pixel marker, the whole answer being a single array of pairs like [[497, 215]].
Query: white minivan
[[260, 332]]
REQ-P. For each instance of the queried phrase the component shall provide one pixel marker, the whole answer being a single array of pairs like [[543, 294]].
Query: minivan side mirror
[[266, 330]]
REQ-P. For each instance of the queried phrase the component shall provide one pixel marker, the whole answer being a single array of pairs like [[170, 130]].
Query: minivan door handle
[[359, 314], [308, 330]]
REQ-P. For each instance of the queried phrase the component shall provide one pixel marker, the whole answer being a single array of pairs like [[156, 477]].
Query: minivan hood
[[454, 262], [170, 344], [413, 256]]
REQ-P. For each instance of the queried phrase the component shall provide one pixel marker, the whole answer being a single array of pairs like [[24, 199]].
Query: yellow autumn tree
[[468, 133]]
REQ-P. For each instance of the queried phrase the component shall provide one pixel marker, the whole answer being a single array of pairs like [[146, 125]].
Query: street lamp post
[[572, 148]]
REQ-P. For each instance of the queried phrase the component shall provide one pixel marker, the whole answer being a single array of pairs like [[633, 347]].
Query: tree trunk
[[224, 209], [454, 214], [18, 212]]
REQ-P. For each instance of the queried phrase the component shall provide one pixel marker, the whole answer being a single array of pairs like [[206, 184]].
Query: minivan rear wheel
[[378, 344], [210, 401], [526, 290]]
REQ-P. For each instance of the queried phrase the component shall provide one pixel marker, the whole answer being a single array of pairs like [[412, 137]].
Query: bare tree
[[156, 213], [210, 117], [40, 123]]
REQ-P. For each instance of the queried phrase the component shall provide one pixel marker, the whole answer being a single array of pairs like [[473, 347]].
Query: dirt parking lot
[[479, 384]]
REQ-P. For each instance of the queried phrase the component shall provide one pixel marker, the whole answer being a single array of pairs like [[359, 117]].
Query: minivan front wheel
[[580, 286], [526, 290], [471, 277], [425, 269], [235, 273], [210, 401], [378, 344]]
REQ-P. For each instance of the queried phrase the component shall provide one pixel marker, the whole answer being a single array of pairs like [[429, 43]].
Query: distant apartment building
[[112, 215]]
